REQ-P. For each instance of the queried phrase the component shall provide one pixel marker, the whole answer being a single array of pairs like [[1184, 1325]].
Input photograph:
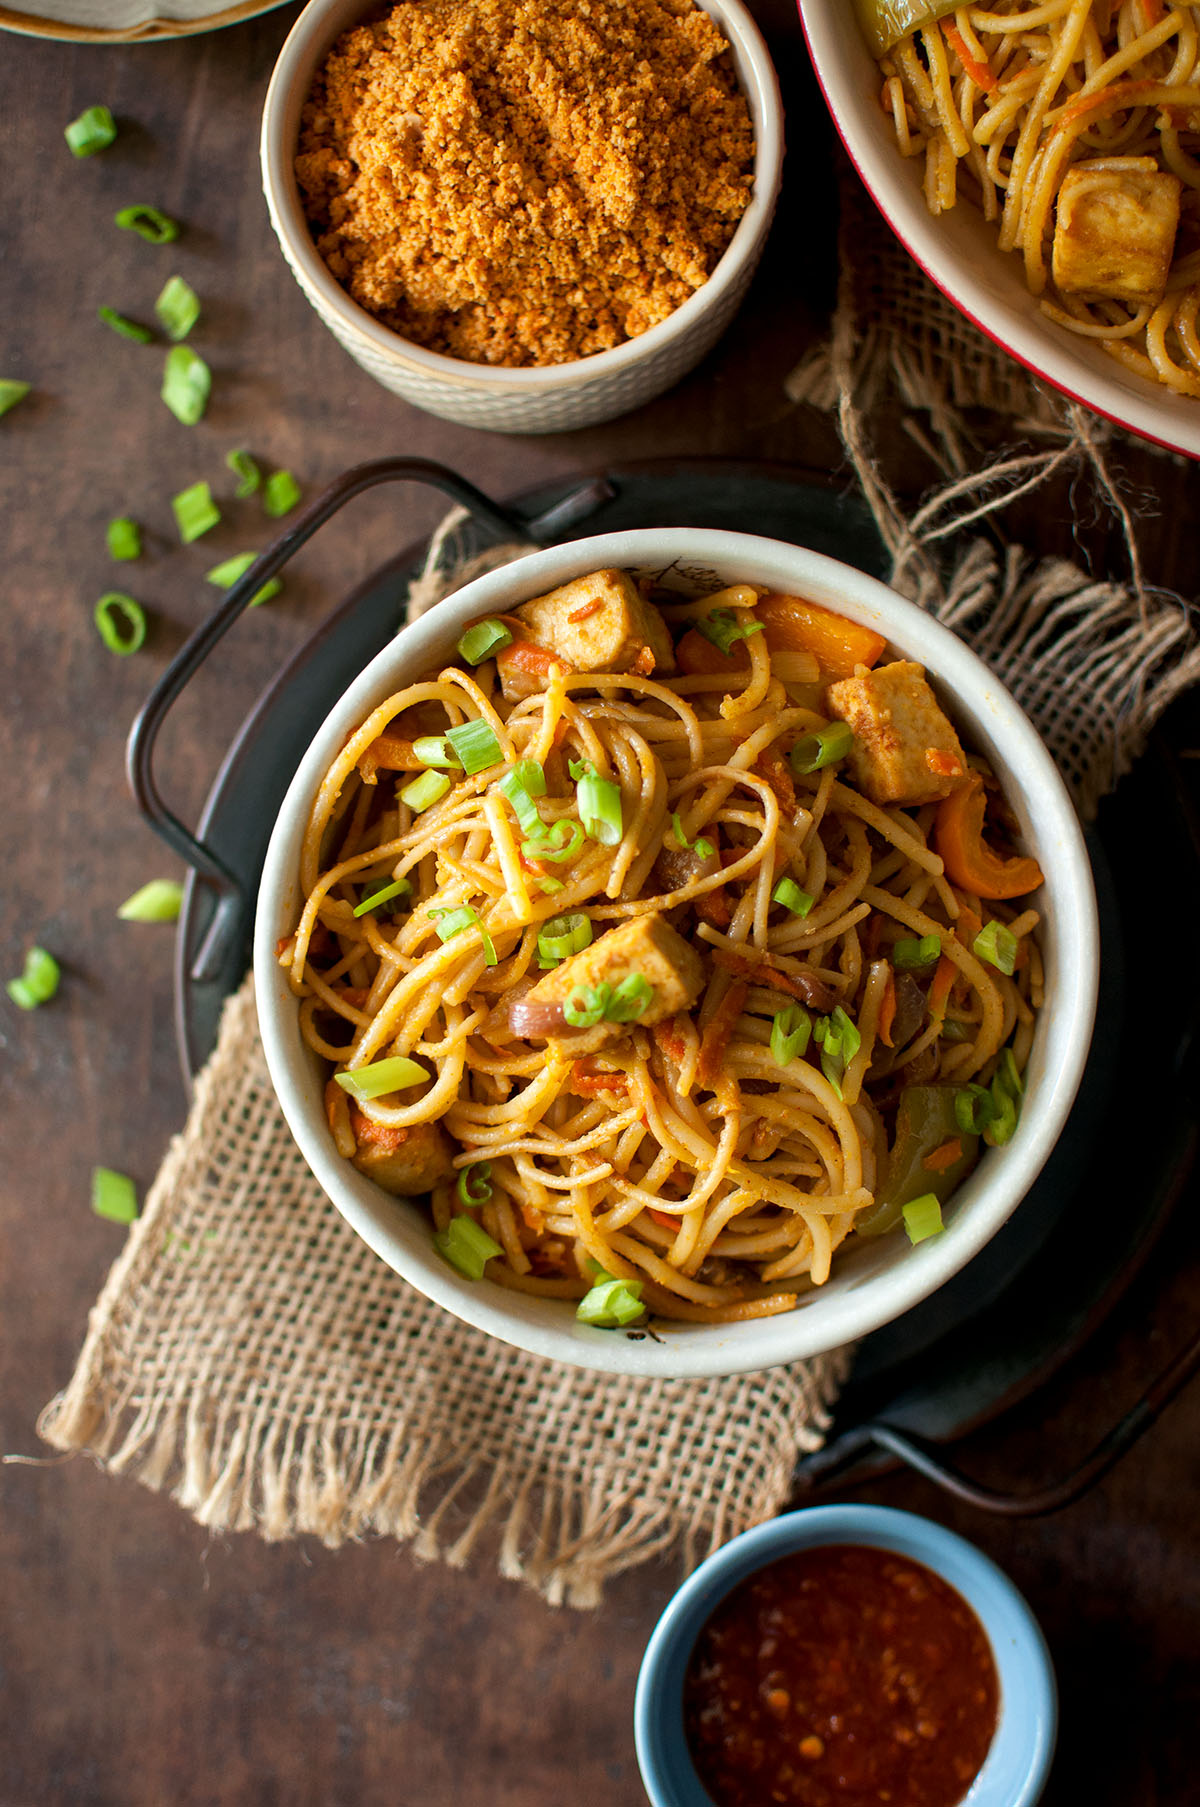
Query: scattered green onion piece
[[611, 1304], [482, 640], [825, 747], [391, 1075], [599, 801], [38, 981], [840, 1041], [1009, 1072], [580, 768], [474, 1184], [121, 622], [232, 570], [114, 1195], [467, 1246], [549, 885], [93, 131], [723, 628], [246, 471], [631, 999], [280, 494], [520, 795], [911, 955], [561, 840], [923, 1217], [563, 936], [195, 512], [435, 749], [703, 850], [155, 227], [973, 1109], [424, 791], [476, 745], [1004, 1120], [449, 923], [177, 307], [128, 329], [790, 1034], [788, 893], [998, 946], [11, 392], [586, 1005], [158, 901], [124, 538], [186, 384], [399, 887]]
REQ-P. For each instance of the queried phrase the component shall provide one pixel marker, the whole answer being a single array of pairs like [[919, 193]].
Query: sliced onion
[[536, 1018]]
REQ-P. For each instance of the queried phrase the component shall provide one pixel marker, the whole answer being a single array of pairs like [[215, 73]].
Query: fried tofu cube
[[403, 1161], [1114, 235], [648, 945], [597, 623], [905, 748]]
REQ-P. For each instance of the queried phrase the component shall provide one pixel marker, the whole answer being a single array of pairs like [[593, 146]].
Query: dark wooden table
[[144, 1664]]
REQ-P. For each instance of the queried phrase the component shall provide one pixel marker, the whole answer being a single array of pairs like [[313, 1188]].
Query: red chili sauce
[[840, 1676]]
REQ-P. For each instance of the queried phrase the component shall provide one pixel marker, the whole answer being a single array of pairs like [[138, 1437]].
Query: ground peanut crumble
[[526, 181]]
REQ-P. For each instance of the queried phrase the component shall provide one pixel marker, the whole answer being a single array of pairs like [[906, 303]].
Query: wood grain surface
[[144, 1664]]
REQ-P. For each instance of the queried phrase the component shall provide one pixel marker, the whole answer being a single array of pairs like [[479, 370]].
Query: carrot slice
[[887, 1010], [979, 72], [838, 645], [959, 837], [390, 753], [943, 1157], [717, 1032], [527, 656], [943, 984]]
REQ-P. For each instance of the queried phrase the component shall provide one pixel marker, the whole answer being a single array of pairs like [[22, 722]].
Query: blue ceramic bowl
[[1014, 1771]]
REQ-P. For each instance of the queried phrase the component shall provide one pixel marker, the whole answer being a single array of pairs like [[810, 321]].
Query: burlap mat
[[253, 1357]]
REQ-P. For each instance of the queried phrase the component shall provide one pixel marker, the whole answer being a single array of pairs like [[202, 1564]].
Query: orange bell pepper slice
[[527, 656], [970, 862], [838, 645]]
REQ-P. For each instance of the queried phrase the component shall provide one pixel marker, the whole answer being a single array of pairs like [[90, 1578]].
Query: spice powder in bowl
[[525, 182]]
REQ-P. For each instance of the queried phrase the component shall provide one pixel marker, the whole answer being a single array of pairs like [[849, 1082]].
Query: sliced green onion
[[424, 791], [997, 945], [246, 471], [825, 747], [114, 1195], [514, 786], [973, 1109], [549, 885], [561, 840], [435, 749], [232, 570], [530, 776], [467, 1246], [186, 384], [703, 850], [910, 954], [124, 538], [93, 131], [158, 901], [563, 936], [790, 1034], [631, 999], [788, 893], [155, 227], [611, 1304], [1004, 1122], [280, 493], [840, 1041], [586, 1005], [1009, 1072], [923, 1217], [121, 622], [449, 923], [399, 887], [38, 981], [599, 801], [195, 512], [12, 392], [394, 1074], [177, 307], [482, 640], [723, 628], [476, 745], [580, 768], [473, 1187], [128, 329]]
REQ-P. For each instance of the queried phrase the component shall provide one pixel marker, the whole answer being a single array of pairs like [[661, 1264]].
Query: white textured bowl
[[883, 1277], [555, 397], [958, 250]]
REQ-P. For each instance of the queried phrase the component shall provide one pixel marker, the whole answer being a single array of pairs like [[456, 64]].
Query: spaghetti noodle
[[640, 947], [1075, 126]]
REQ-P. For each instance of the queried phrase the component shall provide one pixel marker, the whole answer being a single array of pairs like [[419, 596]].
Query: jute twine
[[250, 1355]]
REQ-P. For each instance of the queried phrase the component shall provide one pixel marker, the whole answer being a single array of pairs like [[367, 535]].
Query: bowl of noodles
[[1041, 161], [676, 954]]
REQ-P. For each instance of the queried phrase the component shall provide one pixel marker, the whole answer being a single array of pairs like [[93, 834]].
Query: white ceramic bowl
[[884, 1276], [958, 250], [558, 396]]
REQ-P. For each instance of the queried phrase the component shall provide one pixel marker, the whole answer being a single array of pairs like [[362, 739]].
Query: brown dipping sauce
[[840, 1676]]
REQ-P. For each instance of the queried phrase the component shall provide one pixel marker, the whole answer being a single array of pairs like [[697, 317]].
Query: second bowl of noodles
[[676, 953]]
